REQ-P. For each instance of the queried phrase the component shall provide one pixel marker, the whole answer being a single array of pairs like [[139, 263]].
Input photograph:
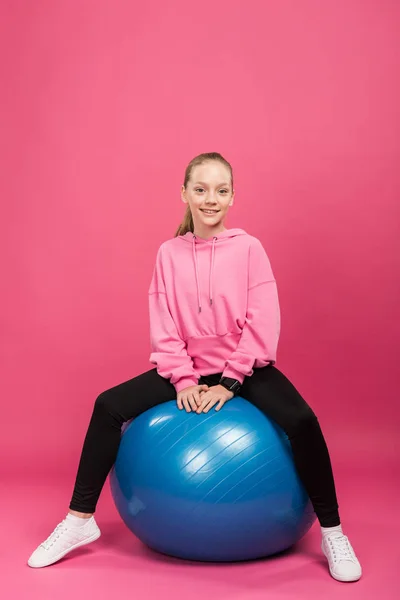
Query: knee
[[107, 410], [103, 402]]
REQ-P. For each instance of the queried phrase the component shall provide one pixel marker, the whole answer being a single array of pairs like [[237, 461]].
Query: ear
[[183, 195]]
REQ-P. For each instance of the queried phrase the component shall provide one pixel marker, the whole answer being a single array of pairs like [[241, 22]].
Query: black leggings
[[267, 388]]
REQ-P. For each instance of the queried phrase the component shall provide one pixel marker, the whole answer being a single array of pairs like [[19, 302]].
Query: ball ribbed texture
[[220, 486]]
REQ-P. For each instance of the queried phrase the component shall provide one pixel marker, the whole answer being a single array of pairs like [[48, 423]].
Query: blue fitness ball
[[216, 486]]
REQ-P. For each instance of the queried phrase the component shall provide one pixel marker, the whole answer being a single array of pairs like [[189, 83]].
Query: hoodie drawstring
[[212, 270], [197, 270]]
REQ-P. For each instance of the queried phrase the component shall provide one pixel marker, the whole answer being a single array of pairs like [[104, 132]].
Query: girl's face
[[209, 187]]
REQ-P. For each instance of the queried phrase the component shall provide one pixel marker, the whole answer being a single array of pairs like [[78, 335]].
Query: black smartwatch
[[233, 385]]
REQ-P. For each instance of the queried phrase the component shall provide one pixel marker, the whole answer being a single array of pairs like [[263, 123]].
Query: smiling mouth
[[211, 212]]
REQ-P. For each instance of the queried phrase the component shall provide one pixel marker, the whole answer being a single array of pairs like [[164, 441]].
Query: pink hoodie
[[213, 308]]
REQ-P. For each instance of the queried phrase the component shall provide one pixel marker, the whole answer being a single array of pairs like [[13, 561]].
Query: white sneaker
[[64, 539], [343, 563]]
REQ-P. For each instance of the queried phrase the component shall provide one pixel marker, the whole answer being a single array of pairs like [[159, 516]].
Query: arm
[[259, 338], [168, 350]]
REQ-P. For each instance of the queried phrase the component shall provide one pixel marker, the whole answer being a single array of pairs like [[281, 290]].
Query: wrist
[[231, 384], [183, 383]]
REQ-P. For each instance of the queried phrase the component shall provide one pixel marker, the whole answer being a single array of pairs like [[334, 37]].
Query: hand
[[216, 394], [190, 397]]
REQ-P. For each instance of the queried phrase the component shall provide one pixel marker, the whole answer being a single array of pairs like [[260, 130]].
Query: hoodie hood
[[214, 241]]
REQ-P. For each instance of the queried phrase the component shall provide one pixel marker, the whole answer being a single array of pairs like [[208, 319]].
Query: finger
[[206, 402], [179, 402], [204, 399], [192, 401], [186, 404], [197, 398], [212, 403], [201, 394], [202, 389], [220, 404]]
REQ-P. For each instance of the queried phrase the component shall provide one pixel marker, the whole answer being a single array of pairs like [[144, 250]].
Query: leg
[[275, 396], [111, 409]]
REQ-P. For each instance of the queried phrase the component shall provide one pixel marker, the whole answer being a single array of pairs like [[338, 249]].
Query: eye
[[202, 189]]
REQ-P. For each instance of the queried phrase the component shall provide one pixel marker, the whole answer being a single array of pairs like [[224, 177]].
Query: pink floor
[[119, 566]]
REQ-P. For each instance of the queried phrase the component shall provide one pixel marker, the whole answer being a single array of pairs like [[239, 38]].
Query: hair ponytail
[[187, 223]]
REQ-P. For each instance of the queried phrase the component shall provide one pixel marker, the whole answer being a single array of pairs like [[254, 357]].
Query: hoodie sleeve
[[259, 338], [168, 350]]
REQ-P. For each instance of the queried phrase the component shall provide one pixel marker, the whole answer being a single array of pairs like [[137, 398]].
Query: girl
[[214, 329]]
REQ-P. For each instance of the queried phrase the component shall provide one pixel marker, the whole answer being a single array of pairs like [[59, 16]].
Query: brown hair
[[187, 223]]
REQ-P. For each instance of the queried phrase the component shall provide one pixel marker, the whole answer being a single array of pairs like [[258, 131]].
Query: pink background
[[103, 105]]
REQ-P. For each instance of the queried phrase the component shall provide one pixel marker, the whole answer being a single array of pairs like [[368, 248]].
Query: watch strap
[[233, 385]]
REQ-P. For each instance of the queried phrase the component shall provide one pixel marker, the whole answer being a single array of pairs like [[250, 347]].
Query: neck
[[209, 232]]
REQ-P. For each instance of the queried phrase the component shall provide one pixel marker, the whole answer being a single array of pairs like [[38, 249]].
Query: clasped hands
[[201, 398]]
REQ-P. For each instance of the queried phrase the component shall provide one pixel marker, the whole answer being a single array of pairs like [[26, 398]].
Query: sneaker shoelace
[[59, 530], [341, 548]]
